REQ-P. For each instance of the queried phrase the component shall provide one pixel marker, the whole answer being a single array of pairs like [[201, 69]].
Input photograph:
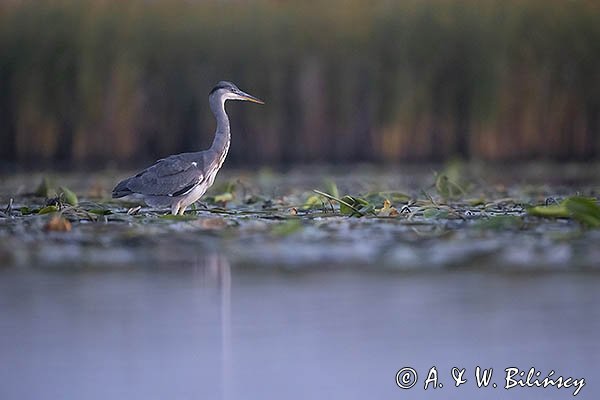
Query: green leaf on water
[[476, 202], [342, 202], [25, 211], [552, 211], [313, 202], [347, 208], [436, 213], [355, 206], [68, 196], [48, 210], [223, 197], [368, 209], [332, 188], [584, 210]]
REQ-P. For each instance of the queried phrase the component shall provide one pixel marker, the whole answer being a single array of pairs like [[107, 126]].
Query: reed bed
[[90, 82]]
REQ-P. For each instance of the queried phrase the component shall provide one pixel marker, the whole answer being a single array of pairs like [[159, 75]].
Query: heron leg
[[175, 208], [182, 210]]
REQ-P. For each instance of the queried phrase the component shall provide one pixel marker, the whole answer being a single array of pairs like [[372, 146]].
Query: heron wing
[[171, 176]]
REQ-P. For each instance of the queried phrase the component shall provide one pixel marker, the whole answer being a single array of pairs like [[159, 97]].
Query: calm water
[[217, 331]]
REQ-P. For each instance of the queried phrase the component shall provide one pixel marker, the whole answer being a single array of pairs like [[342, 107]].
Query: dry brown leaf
[[58, 224], [387, 210]]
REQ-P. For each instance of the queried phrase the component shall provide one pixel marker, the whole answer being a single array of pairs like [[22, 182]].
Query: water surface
[[216, 330]]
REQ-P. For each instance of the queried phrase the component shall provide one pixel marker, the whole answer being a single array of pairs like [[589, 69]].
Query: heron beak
[[248, 97]]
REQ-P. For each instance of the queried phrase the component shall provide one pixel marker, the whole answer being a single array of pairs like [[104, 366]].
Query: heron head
[[228, 91]]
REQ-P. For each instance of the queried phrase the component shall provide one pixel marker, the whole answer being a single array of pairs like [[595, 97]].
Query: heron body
[[180, 180]]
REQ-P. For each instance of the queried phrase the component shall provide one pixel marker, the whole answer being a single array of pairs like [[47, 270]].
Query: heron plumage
[[180, 180]]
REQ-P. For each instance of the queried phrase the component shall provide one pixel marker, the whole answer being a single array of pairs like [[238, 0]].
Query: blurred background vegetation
[[97, 82]]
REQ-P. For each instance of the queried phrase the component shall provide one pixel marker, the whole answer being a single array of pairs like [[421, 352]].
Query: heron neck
[[222, 138]]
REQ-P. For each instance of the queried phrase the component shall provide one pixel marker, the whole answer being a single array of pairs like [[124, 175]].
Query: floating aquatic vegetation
[[68, 196], [582, 209], [47, 210], [313, 202], [350, 205], [223, 198], [225, 193], [332, 188], [355, 206], [436, 213], [25, 210], [363, 220]]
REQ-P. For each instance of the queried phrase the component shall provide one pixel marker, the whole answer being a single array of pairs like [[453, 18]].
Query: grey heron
[[180, 180]]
